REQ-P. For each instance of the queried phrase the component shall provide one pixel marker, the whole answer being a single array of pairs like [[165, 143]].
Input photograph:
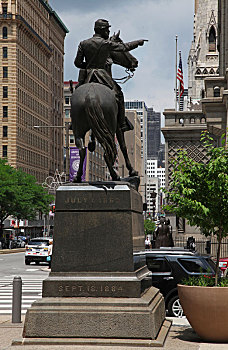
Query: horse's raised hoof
[[91, 146], [133, 173]]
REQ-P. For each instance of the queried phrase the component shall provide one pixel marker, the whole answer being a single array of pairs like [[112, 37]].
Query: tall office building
[[31, 94], [141, 109], [153, 133]]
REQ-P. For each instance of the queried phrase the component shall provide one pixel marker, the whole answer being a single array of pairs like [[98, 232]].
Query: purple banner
[[74, 163]]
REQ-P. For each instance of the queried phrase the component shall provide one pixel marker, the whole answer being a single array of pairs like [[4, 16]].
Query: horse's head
[[124, 59]]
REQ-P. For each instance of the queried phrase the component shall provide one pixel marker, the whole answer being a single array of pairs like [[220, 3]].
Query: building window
[[4, 52], [4, 33], [5, 72], [67, 113], [67, 100], [5, 91], [71, 138], [5, 111], [4, 151], [4, 11], [5, 131], [212, 40], [216, 91]]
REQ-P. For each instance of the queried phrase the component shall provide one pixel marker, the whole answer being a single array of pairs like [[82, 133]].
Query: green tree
[[199, 192], [149, 227], [20, 195]]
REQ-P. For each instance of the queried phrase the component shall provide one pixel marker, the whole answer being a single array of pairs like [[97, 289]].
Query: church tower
[[203, 60]]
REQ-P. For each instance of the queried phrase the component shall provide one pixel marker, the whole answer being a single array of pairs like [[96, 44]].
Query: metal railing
[[203, 245]]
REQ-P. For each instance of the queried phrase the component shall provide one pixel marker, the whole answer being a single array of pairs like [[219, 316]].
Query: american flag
[[180, 75]]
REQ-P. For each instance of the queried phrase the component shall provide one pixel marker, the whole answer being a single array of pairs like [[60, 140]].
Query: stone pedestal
[[93, 290]]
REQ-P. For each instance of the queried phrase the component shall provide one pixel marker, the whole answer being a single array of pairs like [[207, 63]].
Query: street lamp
[[66, 127], [153, 198]]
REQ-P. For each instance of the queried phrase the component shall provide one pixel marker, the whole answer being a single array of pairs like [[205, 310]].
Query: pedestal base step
[[101, 342]]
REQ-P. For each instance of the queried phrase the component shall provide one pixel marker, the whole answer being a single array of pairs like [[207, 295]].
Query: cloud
[[159, 21]]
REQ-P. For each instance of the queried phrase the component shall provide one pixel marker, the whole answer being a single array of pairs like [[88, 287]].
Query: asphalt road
[[14, 265]]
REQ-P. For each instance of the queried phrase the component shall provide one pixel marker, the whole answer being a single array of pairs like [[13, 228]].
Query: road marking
[[31, 291]]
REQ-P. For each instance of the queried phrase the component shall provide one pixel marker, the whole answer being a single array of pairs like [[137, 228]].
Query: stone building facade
[[215, 103], [203, 59], [31, 93], [182, 131]]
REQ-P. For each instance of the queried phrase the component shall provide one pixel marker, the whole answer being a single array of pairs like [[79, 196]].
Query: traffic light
[[53, 209]]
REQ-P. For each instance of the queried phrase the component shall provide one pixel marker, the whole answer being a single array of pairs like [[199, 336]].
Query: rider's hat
[[101, 23]]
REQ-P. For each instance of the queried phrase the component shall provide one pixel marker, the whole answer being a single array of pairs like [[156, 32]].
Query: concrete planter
[[206, 309]]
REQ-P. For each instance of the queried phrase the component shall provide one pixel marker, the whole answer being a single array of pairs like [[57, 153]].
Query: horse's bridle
[[129, 71]]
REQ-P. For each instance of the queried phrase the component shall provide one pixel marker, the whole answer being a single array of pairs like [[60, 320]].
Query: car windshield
[[211, 263], [38, 242]]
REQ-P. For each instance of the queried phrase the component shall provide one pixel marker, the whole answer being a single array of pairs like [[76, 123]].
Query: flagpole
[[176, 77], [179, 84]]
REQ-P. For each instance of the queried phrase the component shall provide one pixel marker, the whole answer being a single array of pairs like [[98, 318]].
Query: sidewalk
[[181, 336], [9, 251]]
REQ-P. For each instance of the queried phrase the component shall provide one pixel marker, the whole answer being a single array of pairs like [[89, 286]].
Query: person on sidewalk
[[147, 243], [50, 247]]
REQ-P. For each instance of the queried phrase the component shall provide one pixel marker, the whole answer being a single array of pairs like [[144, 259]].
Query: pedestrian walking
[[50, 247]]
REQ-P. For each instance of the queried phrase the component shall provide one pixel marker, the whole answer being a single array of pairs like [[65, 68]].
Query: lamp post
[[153, 198], [66, 127]]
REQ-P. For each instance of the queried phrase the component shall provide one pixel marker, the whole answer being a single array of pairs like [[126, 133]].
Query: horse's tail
[[100, 127]]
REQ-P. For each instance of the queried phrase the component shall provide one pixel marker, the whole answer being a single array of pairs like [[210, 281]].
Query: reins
[[126, 78]]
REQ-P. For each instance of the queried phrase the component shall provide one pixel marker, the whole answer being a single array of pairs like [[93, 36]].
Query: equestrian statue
[[97, 103]]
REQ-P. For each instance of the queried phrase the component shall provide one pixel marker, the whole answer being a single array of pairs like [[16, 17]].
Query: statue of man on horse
[[94, 57], [97, 104]]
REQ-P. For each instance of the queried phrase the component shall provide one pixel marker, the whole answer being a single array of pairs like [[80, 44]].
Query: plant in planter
[[199, 193]]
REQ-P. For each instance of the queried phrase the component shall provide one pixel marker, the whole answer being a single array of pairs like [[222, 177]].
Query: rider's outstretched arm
[[126, 46]]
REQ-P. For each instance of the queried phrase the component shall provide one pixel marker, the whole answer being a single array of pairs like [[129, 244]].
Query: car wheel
[[174, 307], [27, 262]]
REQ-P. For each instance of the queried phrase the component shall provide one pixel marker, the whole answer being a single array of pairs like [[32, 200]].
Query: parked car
[[169, 267], [37, 250], [223, 264]]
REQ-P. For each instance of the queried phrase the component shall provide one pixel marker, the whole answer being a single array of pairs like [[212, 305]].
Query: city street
[[12, 265]]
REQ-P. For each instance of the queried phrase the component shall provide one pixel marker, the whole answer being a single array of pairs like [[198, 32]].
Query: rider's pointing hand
[[141, 42]]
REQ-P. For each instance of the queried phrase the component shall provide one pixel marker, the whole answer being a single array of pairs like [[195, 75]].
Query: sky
[[159, 21]]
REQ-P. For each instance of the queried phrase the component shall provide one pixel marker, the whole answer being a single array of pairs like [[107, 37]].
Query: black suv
[[169, 267]]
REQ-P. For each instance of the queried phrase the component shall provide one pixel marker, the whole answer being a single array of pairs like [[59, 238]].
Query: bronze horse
[[94, 107]]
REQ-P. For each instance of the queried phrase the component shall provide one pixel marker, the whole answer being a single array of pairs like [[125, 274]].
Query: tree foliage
[[149, 226], [20, 195], [199, 192]]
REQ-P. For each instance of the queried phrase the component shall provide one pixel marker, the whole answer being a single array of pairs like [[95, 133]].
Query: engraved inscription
[[77, 288], [77, 200]]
